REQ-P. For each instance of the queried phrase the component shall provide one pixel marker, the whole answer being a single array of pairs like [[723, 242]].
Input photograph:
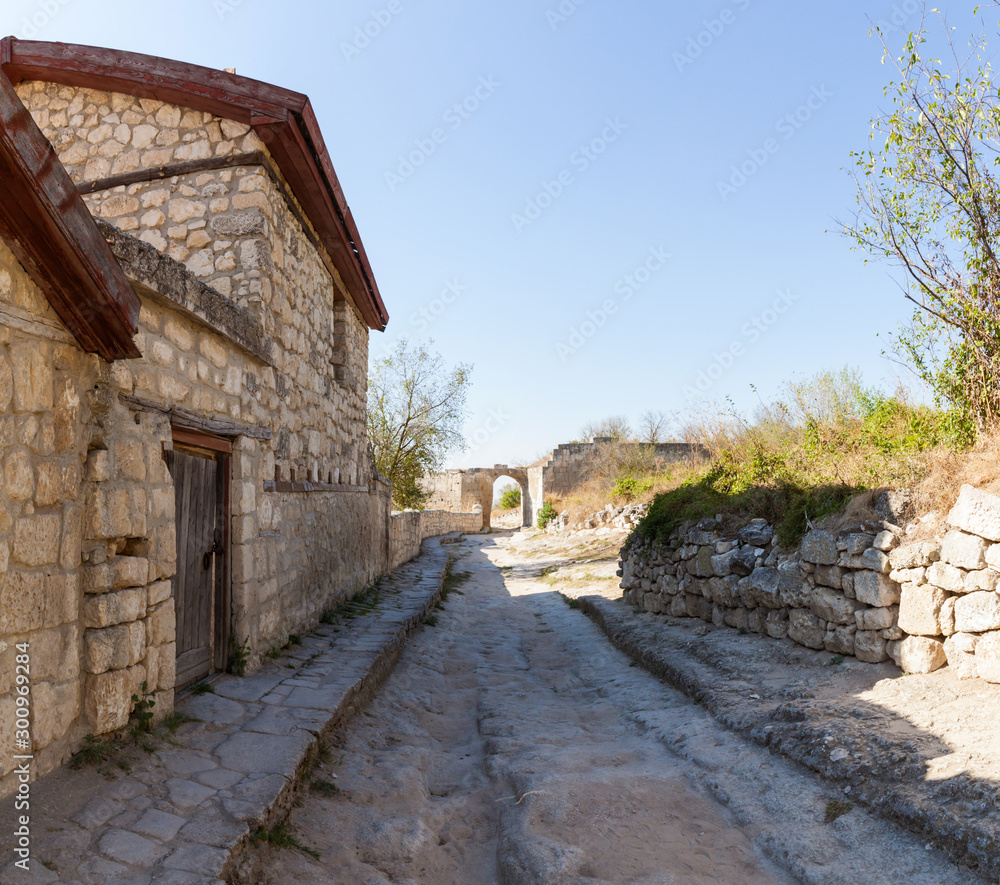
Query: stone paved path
[[513, 745], [184, 813]]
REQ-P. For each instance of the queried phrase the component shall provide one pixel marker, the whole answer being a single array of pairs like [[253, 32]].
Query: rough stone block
[[915, 554], [158, 592], [108, 700], [829, 576], [130, 571], [98, 578], [857, 543], [908, 575], [167, 660], [56, 706], [870, 647], [36, 539], [776, 624], [993, 556], [976, 512], [920, 654], [805, 628], [163, 623], [840, 640], [948, 616], [106, 649], [678, 606], [960, 650], [947, 577], [820, 547], [875, 560], [136, 642], [988, 657], [876, 618], [793, 590], [757, 620], [873, 588], [977, 612], [886, 541], [984, 579], [702, 565], [110, 609], [920, 609], [761, 589], [963, 550], [834, 607]]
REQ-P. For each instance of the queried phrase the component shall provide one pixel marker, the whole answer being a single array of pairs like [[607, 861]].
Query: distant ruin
[[553, 477]]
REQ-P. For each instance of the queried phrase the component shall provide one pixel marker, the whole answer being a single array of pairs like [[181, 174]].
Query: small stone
[[915, 555], [820, 547], [869, 647]]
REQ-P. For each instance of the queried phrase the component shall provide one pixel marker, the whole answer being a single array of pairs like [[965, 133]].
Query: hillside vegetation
[[796, 461]]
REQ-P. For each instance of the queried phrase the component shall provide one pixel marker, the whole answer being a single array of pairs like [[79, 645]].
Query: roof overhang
[[283, 119], [49, 229]]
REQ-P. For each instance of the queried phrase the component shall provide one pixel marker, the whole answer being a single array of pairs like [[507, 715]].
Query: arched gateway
[[464, 491]]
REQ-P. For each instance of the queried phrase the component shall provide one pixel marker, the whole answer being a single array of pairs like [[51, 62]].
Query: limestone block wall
[[834, 592], [409, 528], [240, 231], [874, 594]]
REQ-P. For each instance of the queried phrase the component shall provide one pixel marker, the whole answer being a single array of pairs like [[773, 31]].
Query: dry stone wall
[[833, 592], [874, 594]]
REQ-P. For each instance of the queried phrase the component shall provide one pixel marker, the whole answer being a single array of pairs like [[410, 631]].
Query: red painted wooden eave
[[49, 229], [283, 119]]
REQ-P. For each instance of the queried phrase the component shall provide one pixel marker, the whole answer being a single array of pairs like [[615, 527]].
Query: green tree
[[416, 407], [928, 202], [510, 498]]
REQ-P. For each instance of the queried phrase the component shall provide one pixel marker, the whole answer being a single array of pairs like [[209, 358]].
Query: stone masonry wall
[[568, 466], [411, 527], [872, 594]]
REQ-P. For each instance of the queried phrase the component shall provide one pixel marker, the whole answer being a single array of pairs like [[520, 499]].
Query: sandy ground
[[513, 744]]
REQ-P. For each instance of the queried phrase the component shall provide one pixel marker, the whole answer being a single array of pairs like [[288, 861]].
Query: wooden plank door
[[199, 593]]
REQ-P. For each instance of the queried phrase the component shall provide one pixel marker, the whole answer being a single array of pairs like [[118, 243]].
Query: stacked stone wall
[[874, 594], [834, 592]]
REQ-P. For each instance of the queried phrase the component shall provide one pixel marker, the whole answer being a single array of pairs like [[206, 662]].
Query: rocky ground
[[514, 744]]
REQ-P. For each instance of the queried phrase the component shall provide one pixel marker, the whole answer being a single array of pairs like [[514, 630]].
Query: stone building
[[185, 306]]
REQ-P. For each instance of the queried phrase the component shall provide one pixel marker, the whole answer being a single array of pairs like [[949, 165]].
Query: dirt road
[[512, 744]]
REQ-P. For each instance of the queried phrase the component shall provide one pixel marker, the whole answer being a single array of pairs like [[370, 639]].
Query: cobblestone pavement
[[513, 744], [182, 813]]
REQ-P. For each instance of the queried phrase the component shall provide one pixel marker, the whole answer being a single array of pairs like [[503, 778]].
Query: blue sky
[[553, 191]]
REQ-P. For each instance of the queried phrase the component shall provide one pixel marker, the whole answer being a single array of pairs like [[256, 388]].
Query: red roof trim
[[51, 232], [283, 119]]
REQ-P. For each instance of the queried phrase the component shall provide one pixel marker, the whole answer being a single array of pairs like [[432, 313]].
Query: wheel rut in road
[[513, 744]]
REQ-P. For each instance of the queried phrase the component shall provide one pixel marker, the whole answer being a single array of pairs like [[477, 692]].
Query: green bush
[[546, 514], [630, 487], [510, 499]]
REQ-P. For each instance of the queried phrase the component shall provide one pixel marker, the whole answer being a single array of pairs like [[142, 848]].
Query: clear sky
[[598, 204]]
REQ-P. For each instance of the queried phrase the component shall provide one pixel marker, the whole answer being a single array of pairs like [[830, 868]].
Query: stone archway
[[465, 491]]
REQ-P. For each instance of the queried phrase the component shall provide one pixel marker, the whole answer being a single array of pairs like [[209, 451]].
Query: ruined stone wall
[[875, 594], [570, 464]]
